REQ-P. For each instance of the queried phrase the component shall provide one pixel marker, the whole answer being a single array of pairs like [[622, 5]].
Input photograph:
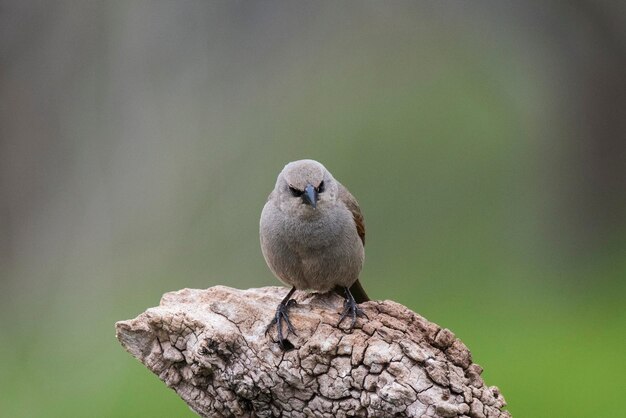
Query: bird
[[312, 235]]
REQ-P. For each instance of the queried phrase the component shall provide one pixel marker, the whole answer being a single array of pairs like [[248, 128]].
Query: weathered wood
[[210, 346]]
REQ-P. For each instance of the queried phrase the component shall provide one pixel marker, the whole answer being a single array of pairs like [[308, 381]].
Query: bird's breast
[[317, 251], [316, 232]]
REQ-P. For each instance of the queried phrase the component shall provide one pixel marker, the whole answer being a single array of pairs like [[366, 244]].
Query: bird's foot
[[350, 309], [282, 317]]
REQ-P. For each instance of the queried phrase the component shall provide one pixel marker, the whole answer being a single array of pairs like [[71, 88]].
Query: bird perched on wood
[[312, 238]]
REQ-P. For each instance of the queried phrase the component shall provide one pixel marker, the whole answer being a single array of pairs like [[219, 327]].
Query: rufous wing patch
[[353, 206]]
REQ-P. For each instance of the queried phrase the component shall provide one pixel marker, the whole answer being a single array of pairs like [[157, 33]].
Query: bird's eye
[[320, 188], [295, 192]]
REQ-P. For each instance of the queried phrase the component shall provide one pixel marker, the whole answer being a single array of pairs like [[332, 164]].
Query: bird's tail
[[358, 293]]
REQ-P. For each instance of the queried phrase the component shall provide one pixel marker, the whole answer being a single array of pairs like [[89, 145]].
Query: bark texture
[[210, 346]]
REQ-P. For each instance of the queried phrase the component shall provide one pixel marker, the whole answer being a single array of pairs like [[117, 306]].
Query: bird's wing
[[353, 206]]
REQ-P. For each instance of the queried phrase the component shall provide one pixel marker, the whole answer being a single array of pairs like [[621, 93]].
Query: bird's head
[[306, 185]]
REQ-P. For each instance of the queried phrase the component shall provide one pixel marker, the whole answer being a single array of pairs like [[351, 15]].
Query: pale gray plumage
[[312, 237], [312, 246]]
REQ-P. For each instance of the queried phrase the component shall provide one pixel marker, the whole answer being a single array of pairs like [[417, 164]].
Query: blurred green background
[[484, 140]]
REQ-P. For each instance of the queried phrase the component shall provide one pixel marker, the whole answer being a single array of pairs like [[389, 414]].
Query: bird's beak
[[310, 195]]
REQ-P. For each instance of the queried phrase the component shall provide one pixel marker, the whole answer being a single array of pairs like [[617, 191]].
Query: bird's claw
[[282, 317], [352, 310]]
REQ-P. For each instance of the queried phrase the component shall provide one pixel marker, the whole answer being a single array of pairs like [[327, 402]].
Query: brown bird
[[312, 238]]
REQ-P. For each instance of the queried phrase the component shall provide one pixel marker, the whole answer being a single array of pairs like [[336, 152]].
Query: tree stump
[[210, 346]]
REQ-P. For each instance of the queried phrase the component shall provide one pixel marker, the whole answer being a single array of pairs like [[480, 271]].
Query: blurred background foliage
[[484, 140]]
